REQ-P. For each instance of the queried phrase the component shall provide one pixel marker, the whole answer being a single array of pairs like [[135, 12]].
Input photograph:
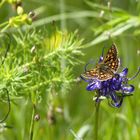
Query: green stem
[[5, 28], [1, 3], [97, 106], [4, 24], [63, 19], [32, 125]]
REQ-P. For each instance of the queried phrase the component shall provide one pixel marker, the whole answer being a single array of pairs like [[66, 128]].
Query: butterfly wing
[[105, 74], [90, 74], [114, 65], [111, 59], [98, 73], [106, 69]]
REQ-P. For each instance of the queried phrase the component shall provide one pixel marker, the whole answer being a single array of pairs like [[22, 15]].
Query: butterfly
[[105, 69]]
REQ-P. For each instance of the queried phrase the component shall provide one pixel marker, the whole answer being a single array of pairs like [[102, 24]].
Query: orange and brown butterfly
[[105, 69]]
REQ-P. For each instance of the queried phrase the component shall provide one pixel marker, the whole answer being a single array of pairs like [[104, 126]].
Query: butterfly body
[[105, 69]]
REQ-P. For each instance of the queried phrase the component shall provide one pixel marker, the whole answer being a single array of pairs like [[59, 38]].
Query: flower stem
[[1, 3], [32, 125], [97, 105], [63, 19]]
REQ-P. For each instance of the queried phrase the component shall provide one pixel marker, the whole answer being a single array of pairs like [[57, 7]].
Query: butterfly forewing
[[114, 65], [111, 59], [111, 54], [105, 74]]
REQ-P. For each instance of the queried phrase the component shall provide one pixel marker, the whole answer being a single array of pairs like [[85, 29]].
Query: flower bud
[[33, 49], [20, 10], [37, 117], [29, 21]]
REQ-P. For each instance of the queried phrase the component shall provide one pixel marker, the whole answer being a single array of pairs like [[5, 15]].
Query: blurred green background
[[99, 23]]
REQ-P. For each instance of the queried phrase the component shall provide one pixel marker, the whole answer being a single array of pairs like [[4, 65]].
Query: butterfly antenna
[[8, 47], [90, 62], [103, 50], [9, 106], [137, 73]]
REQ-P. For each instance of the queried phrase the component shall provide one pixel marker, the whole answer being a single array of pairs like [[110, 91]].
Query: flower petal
[[127, 88], [101, 59], [116, 85], [116, 100], [124, 72], [118, 103], [103, 91], [94, 85], [113, 96]]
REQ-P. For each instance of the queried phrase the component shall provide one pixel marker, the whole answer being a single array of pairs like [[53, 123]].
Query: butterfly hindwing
[[98, 73], [104, 74], [91, 74]]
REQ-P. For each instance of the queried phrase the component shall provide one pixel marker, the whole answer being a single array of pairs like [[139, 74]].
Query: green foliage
[[35, 61]]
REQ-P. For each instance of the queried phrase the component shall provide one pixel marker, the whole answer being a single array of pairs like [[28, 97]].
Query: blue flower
[[114, 89]]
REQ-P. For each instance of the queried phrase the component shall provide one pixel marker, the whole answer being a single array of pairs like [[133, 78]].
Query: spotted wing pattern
[[98, 73], [91, 74], [106, 69], [111, 59], [104, 74]]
